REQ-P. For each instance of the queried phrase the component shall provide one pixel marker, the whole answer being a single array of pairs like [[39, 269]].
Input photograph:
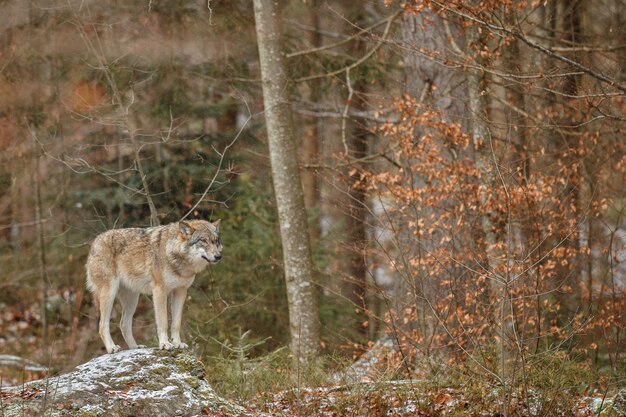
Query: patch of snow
[[143, 393], [595, 404]]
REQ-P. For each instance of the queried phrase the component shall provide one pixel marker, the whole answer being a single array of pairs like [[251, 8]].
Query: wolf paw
[[137, 347], [166, 346], [180, 345], [114, 349]]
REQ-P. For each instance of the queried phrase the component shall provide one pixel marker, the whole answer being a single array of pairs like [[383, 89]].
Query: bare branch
[[336, 44], [221, 161], [522, 37], [124, 108], [364, 58]]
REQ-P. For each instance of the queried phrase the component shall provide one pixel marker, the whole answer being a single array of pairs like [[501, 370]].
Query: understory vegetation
[[462, 166]]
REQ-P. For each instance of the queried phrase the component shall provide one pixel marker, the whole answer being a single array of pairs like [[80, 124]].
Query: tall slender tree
[[303, 310]]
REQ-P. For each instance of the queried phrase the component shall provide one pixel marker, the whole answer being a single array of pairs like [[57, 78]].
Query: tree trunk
[[303, 309], [355, 288], [43, 267], [444, 89], [311, 145], [351, 218], [499, 278], [571, 298]]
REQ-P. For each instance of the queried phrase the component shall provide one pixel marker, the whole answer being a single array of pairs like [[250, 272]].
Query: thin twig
[[522, 37], [364, 58], [344, 115], [336, 44], [221, 161]]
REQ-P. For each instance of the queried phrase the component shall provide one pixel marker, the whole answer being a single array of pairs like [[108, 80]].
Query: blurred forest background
[[463, 166]]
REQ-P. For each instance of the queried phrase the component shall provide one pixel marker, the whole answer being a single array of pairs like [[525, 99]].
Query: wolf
[[161, 261]]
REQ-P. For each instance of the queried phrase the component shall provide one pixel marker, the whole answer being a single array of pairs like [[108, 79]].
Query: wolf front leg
[[178, 300], [159, 298]]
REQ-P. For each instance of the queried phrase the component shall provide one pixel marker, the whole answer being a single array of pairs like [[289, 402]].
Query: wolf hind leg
[[106, 298], [128, 299]]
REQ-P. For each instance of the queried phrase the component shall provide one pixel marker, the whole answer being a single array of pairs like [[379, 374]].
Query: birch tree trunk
[[303, 309]]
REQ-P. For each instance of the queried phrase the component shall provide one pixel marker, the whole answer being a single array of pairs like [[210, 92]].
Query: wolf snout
[[212, 259]]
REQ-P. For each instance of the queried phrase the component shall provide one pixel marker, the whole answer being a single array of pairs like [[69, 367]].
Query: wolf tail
[[92, 289]]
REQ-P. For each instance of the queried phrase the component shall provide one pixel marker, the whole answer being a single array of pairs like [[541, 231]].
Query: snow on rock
[[604, 407], [619, 402], [139, 382], [371, 365]]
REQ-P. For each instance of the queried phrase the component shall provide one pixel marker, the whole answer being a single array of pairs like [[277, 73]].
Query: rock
[[619, 403], [139, 382], [606, 407], [371, 365], [24, 364]]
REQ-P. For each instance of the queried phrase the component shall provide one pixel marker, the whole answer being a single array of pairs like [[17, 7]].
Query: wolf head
[[203, 240]]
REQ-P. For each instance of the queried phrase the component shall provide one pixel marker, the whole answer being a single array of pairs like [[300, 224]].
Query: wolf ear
[[185, 228], [216, 223]]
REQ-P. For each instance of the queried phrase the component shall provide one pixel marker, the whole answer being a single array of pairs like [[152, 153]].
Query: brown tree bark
[[350, 217], [311, 145], [442, 88], [493, 260], [354, 138], [569, 32]]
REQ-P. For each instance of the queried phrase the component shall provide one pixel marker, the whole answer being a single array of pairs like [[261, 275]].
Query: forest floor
[[373, 399], [405, 398], [20, 332]]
